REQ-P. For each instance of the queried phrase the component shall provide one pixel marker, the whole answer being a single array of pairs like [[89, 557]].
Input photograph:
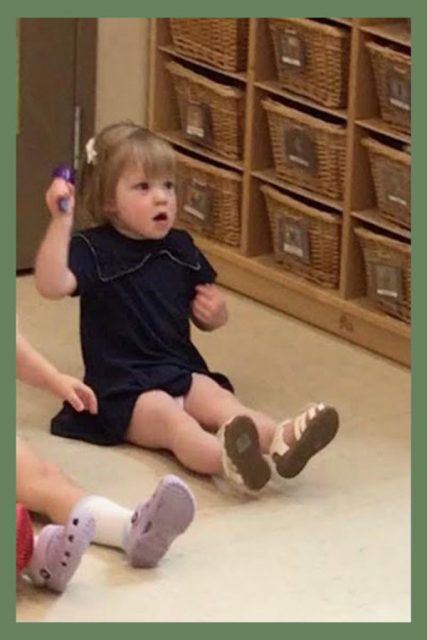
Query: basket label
[[397, 200], [198, 122], [292, 50], [294, 239], [398, 84], [396, 187], [300, 148], [388, 282], [197, 201]]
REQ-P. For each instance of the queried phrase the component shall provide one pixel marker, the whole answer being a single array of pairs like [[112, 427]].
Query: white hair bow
[[91, 153]]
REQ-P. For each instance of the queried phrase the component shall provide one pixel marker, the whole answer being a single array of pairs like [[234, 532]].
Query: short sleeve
[[206, 274], [82, 263], [182, 244]]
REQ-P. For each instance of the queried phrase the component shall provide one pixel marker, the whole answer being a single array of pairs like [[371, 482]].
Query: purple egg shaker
[[66, 173]]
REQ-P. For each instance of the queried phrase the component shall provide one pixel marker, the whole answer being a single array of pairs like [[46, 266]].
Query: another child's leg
[[43, 488], [146, 533]]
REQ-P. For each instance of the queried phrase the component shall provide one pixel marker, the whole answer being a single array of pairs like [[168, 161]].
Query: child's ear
[[110, 206]]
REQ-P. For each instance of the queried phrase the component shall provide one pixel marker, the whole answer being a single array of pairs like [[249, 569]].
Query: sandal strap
[[300, 424], [278, 444]]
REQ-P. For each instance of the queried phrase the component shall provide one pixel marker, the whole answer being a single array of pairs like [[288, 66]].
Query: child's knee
[[222, 396]]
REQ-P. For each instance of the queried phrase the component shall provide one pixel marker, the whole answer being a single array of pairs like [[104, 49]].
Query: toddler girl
[[140, 282]]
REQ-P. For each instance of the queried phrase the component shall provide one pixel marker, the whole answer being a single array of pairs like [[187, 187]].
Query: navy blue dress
[[135, 298]]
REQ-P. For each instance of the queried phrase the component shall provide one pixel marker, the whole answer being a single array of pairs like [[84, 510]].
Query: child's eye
[[143, 186], [169, 185]]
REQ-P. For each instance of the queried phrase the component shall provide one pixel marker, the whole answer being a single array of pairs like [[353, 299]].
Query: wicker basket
[[391, 173], [307, 151], [392, 71], [306, 241], [388, 271], [312, 59], [209, 199], [212, 114], [220, 42]]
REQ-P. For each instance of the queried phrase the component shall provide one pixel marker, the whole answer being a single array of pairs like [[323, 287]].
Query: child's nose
[[160, 193]]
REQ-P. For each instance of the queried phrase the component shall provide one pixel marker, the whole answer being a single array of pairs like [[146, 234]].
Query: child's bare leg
[[290, 444], [42, 487], [212, 406], [159, 423]]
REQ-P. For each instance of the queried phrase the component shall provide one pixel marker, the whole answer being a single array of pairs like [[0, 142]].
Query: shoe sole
[[166, 515], [241, 442], [319, 433]]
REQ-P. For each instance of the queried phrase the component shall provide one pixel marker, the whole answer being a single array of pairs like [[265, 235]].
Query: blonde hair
[[118, 147]]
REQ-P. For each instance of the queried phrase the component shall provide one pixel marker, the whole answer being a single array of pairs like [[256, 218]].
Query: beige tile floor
[[334, 547]]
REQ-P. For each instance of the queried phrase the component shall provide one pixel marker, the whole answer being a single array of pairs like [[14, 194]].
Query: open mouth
[[160, 217]]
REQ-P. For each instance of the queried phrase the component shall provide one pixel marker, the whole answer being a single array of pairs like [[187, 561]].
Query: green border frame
[[7, 318]]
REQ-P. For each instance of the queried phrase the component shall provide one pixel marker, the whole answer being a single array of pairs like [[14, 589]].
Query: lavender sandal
[[59, 549], [158, 521]]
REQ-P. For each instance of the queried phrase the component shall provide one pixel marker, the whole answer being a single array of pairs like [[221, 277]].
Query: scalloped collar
[[117, 255]]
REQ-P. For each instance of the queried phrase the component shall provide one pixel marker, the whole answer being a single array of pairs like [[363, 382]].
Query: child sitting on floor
[[140, 281]]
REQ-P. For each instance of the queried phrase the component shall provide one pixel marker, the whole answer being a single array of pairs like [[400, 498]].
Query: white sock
[[112, 521]]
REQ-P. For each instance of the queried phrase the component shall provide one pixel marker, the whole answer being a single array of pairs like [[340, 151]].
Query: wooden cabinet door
[[56, 97]]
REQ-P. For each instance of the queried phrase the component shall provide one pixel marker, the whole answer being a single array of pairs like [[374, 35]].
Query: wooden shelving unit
[[269, 176], [373, 217], [395, 30], [177, 139], [378, 126], [346, 21], [273, 87], [173, 52], [251, 268]]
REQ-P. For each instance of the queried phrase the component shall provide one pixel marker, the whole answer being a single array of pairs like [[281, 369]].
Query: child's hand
[[60, 189], [79, 395], [209, 309]]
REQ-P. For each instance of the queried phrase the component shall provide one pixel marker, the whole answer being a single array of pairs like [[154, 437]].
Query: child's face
[[144, 208]]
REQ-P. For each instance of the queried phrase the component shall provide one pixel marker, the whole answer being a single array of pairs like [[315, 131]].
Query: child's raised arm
[[33, 368], [52, 275]]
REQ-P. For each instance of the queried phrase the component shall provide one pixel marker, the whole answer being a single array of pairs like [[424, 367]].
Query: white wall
[[122, 69]]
